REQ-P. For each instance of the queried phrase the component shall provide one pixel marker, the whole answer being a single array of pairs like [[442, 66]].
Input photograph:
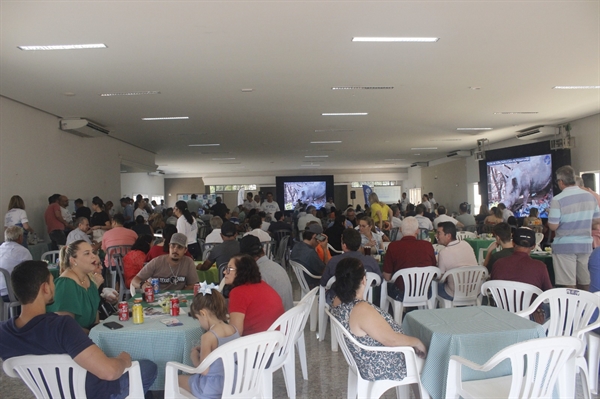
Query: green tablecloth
[[210, 276], [478, 243], [37, 250], [151, 340], [475, 333]]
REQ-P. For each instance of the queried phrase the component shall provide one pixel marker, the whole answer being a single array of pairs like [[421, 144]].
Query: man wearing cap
[[222, 253], [304, 252], [174, 271], [270, 272], [519, 266]]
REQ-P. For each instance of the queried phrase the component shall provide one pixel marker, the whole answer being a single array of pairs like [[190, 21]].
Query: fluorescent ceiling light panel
[[394, 159], [204, 145], [326, 142], [344, 113], [423, 148], [333, 130], [309, 166], [515, 112], [396, 39], [445, 140], [316, 156], [166, 118], [576, 87], [473, 128], [222, 159], [63, 47], [363, 88], [131, 93]]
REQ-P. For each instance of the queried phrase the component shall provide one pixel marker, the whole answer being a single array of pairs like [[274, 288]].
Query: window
[[476, 199], [414, 195], [231, 187], [359, 184], [157, 198]]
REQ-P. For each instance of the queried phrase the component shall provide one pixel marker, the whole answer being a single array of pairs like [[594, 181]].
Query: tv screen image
[[310, 193], [521, 184]]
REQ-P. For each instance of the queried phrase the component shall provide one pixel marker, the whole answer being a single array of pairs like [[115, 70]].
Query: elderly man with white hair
[[405, 253], [11, 254], [215, 235]]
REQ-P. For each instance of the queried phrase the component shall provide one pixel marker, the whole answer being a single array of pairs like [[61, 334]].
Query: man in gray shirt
[[193, 204], [223, 252], [465, 218], [270, 272]]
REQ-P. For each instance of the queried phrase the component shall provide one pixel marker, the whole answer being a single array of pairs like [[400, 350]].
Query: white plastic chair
[[48, 376], [537, 365], [115, 255], [332, 249], [244, 361], [417, 281], [467, 286], [51, 257], [512, 296], [482, 254], [539, 237], [8, 308], [268, 248], [361, 388], [299, 270], [593, 357], [461, 235], [290, 324], [309, 300]]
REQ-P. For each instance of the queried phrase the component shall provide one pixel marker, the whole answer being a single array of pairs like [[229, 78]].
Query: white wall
[[142, 183], [585, 157], [37, 160]]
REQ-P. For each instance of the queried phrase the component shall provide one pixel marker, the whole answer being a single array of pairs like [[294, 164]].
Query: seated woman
[[369, 325], [163, 247], [370, 238], [533, 221], [134, 261], [253, 304], [494, 217], [75, 293]]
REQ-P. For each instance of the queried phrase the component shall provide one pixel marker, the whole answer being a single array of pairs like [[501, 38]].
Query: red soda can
[[123, 311], [174, 306], [149, 291], [196, 288]]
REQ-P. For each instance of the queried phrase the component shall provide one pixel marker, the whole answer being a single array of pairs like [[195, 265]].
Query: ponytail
[[66, 253], [182, 206]]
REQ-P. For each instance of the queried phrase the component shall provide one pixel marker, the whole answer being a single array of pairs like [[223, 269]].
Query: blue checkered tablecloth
[[475, 333], [151, 340]]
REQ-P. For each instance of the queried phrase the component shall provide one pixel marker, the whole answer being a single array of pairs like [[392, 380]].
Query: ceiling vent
[[459, 154], [536, 132], [421, 164], [83, 128]]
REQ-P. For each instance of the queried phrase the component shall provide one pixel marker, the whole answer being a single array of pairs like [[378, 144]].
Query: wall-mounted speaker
[[352, 194]]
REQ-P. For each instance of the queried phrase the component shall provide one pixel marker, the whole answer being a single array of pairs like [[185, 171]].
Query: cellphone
[[321, 237], [113, 325]]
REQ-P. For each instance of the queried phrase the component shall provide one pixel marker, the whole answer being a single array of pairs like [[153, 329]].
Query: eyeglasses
[[230, 269]]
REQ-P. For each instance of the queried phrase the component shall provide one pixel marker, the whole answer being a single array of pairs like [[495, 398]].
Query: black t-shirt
[[83, 211], [219, 209], [142, 230], [99, 219]]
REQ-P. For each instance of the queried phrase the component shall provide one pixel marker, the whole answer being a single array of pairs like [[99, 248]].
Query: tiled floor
[[327, 375]]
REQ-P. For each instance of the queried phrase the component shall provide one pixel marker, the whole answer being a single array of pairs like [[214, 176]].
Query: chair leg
[[313, 317], [289, 374], [300, 344], [582, 370], [322, 322], [267, 384], [352, 384], [593, 352], [334, 343]]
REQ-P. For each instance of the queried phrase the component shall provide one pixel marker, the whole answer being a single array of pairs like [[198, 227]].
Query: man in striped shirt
[[573, 214]]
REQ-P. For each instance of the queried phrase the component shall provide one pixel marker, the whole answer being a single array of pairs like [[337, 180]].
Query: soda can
[[196, 288], [174, 306], [149, 291], [155, 285], [138, 314], [123, 311]]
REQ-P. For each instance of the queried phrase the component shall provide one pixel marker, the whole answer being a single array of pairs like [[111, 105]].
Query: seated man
[[11, 254], [424, 222], [311, 216], [335, 231], [36, 332], [456, 254], [445, 218], [141, 228], [117, 235], [271, 273], [215, 235], [351, 240], [174, 271], [222, 253], [279, 224], [502, 232], [465, 218], [304, 252], [406, 253], [519, 266], [81, 233], [255, 223]]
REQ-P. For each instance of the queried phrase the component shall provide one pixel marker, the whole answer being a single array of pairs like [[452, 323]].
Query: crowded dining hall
[[300, 199]]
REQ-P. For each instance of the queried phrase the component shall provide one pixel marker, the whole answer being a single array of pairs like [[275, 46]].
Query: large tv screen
[[309, 192], [521, 184]]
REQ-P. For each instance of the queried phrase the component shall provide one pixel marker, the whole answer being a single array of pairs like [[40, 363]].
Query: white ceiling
[[200, 55]]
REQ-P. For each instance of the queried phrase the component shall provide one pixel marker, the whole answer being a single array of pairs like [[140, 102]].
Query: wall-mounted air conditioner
[[83, 128], [460, 154], [536, 132]]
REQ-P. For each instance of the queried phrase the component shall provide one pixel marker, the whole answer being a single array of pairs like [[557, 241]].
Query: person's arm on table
[[105, 368], [205, 266]]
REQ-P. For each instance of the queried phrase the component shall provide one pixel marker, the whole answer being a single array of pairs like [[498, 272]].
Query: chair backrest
[[206, 248], [373, 280], [332, 249], [483, 253], [116, 253], [299, 270], [309, 300], [461, 235], [423, 234], [539, 237], [570, 310], [471, 228], [417, 281], [51, 257], [290, 324], [394, 233], [201, 231], [244, 361], [6, 312], [282, 250], [268, 248], [467, 284], [511, 295]]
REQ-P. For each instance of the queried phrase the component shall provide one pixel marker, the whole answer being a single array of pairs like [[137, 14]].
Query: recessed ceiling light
[[515, 112], [424, 148], [363, 88], [69, 94], [204, 145], [394, 159], [247, 90], [131, 93], [309, 166], [445, 140], [63, 47], [316, 156], [473, 128], [333, 130], [475, 88], [344, 113], [396, 39], [222, 159], [326, 142], [229, 163], [575, 87], [416, 154], [166, 118]]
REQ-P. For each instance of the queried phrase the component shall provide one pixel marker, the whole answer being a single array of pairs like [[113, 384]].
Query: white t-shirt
[[15, 216], [11, 254], [442, 219], [262, 235], [190, 230], [142, 212], [214, 237], [427, 205], [506, 214], [270, 207], [424, 223], [64, 212], [306, 219]]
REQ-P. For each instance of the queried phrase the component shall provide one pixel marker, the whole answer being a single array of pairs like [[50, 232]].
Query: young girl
[[210, 310]]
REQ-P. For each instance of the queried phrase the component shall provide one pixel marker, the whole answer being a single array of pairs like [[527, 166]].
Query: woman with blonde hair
[[16, 216], [379, 211], [76, 294]]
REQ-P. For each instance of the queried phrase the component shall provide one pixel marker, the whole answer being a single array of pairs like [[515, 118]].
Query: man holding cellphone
[[305, 253]]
